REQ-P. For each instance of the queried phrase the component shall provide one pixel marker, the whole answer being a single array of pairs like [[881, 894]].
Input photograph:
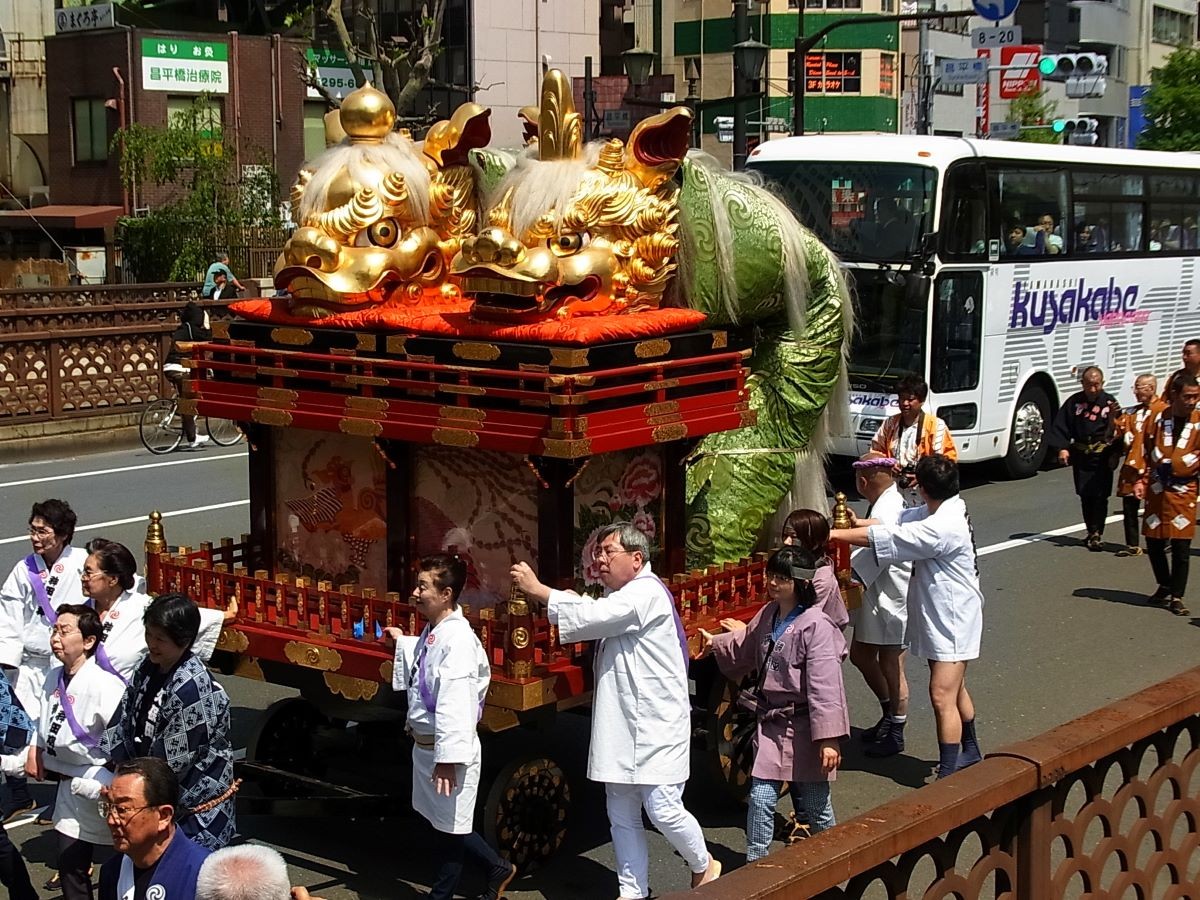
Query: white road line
[[67, 476], [169, 514], [1036, 538]]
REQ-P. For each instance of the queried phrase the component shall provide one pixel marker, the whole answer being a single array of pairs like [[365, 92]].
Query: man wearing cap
[[945, 603], [641, 713], [879, 623]]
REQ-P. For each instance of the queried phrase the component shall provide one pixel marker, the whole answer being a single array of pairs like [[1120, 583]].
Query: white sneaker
[[200, 441]]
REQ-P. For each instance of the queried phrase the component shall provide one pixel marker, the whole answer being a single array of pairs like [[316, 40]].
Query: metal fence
[[1105, 806], [85, 350]]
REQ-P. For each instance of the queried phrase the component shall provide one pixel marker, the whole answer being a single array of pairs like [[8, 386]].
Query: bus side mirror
[[928, 244], [916, 291]]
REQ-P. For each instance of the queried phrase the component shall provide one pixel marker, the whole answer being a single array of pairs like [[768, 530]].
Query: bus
[[998, 271]]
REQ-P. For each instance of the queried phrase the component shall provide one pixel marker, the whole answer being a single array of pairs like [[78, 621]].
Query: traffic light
[[1065, 66], [1077, 131]]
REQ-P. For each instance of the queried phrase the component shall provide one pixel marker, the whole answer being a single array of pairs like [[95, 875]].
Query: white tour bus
[[998, 271]]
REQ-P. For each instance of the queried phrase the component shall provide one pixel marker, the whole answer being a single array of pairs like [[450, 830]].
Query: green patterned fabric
[[739, 478]]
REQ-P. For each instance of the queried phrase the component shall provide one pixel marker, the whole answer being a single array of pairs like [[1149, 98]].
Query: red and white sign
[[1019, 70], [983, 95]]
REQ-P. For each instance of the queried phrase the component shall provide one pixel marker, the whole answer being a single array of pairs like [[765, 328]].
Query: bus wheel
[[729, 738], [1027, 440], [525, 815]]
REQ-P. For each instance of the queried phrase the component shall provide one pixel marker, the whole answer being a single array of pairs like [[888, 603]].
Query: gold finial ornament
[[560, 128], [841, 512], [367, 115], [156, 539]]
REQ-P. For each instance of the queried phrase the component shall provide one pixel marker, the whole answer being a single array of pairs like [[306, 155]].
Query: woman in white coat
[[79, 700], [110, 583], [446, 674]]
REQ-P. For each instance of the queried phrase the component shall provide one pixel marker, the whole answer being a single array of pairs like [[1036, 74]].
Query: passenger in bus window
[[1019, 245], [1085, 431], [1187, 235], [1054, 241], [1084, 242]]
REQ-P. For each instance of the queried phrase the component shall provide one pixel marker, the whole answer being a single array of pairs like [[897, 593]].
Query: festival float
[[496, 354]]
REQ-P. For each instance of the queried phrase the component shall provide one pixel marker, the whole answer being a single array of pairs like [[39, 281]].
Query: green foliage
[[193, 161], [1172, 105], [1032, 108]]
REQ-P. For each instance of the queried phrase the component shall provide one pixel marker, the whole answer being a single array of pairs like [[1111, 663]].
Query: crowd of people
[[107, 692]]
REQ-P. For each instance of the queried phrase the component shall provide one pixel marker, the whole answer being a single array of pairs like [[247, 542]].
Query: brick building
[[99, 80]]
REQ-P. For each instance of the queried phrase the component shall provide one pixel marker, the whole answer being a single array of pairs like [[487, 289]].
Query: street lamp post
[[748, 59]]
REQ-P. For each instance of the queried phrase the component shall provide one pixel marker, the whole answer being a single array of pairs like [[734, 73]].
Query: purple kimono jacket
[[829, 596], [805, 669]]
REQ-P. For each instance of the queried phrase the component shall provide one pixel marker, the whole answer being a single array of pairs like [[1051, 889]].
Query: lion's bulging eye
[[569, 242], [384, 233]]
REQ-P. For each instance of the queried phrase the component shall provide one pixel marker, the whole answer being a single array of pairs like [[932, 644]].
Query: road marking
[[170, 514], [1043, 536], [92, 474]]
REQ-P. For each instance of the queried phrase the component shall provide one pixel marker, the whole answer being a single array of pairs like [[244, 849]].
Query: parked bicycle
[[161, 427]]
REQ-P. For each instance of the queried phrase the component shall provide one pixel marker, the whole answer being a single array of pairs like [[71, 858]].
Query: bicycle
[[161, 428]]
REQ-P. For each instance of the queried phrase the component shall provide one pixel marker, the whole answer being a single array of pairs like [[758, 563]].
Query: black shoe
[[53, 883], [498, 882], [1095, 543], [878, 731], [1160, 598], [968, 756], [14, 807], [888, 745]]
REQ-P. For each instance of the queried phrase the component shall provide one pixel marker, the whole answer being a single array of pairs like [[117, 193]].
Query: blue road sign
[[995, 10]]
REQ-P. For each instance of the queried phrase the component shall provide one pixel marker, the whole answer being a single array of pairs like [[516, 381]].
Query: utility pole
[[923, 87], [741, 86], [805, 44]]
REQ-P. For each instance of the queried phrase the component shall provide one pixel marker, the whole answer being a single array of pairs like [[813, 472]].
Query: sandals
[[1131, 551], [1176, 606]]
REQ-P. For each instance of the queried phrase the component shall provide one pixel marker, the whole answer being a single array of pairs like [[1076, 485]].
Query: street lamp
[[750, 57], [637, 62]]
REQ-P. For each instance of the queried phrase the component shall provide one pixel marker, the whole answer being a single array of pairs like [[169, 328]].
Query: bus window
[[963, 229], [1029, 211], [957, 332], [862, 210], [1102, 226], [1174, 210], [889, 336]]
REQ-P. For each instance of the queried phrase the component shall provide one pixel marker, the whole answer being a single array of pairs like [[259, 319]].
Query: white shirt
[[125, 633], [24, 631], [945, 603], [641, 713], [883, 616]]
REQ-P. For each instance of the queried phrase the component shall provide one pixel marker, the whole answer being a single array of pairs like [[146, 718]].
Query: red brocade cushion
[[451, 319]]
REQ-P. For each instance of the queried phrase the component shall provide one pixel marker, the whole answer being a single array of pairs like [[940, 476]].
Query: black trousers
[[1095, 511], [450, 850], [1131, 509], [1173, 575], [74, 860], [13, 874]]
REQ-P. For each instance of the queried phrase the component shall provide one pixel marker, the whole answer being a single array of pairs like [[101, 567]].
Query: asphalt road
[[1066, 631]]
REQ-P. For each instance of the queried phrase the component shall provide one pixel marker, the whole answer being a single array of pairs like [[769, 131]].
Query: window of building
[[90, 128], [208, 115], [1172, 27], [887, 74], [833, 4], [833, 73], [941, 87]]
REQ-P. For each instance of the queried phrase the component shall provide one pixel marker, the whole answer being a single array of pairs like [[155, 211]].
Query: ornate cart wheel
[[526, 811], [285, 737], [729, 741]]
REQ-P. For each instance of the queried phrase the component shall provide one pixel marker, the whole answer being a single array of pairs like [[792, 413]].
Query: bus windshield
[[861, 210], [889, 337]]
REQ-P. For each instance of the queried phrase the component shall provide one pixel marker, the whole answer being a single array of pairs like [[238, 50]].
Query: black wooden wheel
[[525, 815], [285, 737], [729, 737]]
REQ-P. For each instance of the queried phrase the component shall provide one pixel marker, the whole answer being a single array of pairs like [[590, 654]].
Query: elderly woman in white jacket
[[80, 699]]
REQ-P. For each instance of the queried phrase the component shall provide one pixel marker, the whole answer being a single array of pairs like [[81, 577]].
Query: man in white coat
[[879, 623], [641, 714], [945, 603], [38, 584], [445, 672]]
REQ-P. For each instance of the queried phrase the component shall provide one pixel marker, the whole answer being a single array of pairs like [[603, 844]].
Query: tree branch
[[333, 12], [423, 56], [308, 75]]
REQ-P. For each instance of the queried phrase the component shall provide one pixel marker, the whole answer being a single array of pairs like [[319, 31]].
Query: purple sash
[[106, 664], [423, 685], [39, 589], [73, 723], [683, 642]]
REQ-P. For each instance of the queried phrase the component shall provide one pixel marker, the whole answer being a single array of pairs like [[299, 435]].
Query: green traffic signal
[[1047, 65], [1059, 126]]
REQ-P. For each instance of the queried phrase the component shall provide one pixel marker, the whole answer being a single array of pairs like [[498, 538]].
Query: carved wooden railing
[[85, 350], [1105, 806]]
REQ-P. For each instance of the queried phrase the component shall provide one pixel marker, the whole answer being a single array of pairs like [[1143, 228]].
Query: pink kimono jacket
[[829, 596], [804, 672]]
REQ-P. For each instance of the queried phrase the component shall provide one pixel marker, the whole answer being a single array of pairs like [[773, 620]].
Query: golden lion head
[[378, 214], [574, 230]]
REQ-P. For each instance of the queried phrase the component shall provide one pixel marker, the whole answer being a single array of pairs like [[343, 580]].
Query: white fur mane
[[367, 164], [539, 187]]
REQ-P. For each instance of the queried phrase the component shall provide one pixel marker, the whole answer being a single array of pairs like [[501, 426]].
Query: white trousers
[[664, 805]]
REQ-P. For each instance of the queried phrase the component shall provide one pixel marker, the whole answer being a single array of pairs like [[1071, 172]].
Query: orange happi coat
[[1131, 428], [1172, 465]]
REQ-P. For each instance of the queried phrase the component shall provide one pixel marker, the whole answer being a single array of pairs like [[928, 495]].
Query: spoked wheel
[[526, 811], [223, 431], [160, 429], [285, 737], [729, 743]]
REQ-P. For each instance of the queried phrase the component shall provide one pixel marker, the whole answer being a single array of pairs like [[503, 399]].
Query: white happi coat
[[457, 675], [641, 714], [125, 634], [945, 603], [883, 616], [24, 631], [95, 696]]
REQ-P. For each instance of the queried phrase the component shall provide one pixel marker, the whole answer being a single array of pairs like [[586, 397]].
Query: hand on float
[[733, 624], [1064, 457], [1139, 490], [392, 634], [301, 893], [706, 639], [33, 764], [445, 778], [526, 582], [231, 610], [831, 755]]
